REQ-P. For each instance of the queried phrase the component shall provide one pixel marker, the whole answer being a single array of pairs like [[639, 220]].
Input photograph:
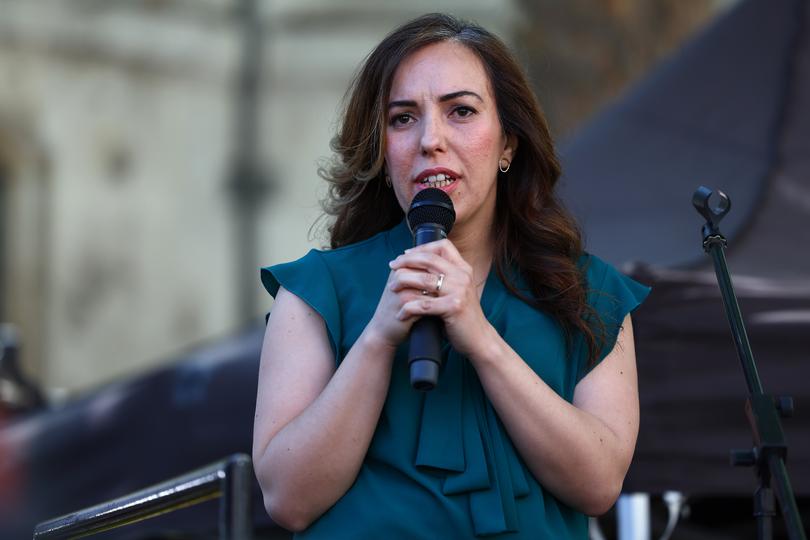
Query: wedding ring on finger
[[439, 283]]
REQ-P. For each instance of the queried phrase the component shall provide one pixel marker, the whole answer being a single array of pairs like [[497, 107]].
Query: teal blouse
[[440, 464]]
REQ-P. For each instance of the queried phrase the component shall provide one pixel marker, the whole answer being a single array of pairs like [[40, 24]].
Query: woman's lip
[[436, 171]]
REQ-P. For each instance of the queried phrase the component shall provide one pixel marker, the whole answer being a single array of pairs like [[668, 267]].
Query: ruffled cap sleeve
[[612, 295], [310, 279]]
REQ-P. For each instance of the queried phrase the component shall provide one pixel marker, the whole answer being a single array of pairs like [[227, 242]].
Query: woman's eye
[[463, 111], [401, 119]]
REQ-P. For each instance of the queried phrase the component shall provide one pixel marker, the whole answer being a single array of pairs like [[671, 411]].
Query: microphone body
[[430, 218], [425, 351]]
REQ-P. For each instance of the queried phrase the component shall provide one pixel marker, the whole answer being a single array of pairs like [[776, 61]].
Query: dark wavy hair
[[534, 235]]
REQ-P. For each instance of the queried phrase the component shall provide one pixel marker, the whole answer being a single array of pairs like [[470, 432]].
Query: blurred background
[[155, 153]]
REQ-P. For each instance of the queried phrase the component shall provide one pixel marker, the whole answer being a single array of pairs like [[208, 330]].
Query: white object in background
[[633, 516], [675, 501], [594, 530]]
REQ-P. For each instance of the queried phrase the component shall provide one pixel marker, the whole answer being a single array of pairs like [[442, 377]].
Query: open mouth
[[437, 180]]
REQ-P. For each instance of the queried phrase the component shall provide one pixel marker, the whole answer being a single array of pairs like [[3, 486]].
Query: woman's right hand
[[399, 290]]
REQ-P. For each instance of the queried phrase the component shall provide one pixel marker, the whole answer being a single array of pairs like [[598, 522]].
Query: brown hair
[[534, 234]]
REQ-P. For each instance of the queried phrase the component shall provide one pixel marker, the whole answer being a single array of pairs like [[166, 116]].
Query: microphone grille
[[431, 205]]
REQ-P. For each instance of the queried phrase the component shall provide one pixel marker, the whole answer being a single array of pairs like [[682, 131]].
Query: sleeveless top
[[440, 463]]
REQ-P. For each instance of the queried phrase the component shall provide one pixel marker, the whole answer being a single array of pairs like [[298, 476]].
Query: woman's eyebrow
[[460, 93], [447, 97], [402, 103]]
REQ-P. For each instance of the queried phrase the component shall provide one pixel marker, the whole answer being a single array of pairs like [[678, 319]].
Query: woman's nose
[[433, 135]]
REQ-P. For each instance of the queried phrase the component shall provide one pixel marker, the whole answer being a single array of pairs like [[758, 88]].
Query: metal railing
[[230, 480]]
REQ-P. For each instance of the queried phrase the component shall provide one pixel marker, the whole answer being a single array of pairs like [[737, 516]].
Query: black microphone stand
[[763, 411]]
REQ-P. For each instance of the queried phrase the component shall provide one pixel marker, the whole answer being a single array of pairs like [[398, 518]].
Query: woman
[[533, 423]]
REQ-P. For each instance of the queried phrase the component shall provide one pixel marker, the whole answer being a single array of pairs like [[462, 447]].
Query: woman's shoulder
[[385, 245], [605, 284], [379, 248], [593, 268], [369, 245]]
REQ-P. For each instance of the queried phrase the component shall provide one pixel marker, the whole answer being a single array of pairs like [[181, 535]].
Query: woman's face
[[443, 131]]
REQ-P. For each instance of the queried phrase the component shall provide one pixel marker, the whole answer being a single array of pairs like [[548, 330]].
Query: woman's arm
[[313, 423], [580, 451]]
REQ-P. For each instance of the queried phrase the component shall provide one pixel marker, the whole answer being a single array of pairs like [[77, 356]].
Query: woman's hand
[[417, 280], [385, 325]]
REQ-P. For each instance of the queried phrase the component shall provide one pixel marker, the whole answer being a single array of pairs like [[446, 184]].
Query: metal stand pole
[[770, 447], [235, 512]]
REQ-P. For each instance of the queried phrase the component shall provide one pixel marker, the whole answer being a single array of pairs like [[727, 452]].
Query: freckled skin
[[463, 134]]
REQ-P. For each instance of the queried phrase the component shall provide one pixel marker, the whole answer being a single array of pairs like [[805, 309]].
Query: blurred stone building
[[155, 153]]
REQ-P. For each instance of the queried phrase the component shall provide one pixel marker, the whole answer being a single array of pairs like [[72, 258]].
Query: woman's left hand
[[453, 297]]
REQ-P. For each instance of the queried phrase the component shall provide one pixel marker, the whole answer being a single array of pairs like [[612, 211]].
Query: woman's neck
[[476, 248]]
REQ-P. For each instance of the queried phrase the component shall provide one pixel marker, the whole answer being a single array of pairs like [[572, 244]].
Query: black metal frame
[[763, 411], [230, 479]]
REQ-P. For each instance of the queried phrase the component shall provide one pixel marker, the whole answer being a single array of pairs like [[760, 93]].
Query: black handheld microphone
[[430, 218]]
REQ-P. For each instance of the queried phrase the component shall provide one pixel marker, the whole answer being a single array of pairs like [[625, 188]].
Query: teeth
[[441, 183], [437, 180]]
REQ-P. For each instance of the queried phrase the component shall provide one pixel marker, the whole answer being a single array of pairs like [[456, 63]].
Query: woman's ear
[[510, 148]]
